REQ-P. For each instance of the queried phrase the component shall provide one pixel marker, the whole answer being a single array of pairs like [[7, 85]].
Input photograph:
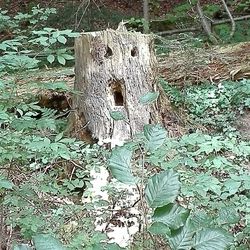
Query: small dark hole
[[109, 52], [134, 52], [118, 98]]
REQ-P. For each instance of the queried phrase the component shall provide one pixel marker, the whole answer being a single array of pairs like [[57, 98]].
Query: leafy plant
[[169, 219]]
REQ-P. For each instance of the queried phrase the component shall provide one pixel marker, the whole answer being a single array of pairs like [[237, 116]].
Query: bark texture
[[114, 68]]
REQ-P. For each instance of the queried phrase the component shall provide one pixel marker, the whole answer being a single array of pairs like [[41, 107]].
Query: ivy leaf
[[117, 115], [149, 98], [50, 58], [155, 136], [61, 39], [47, 242], [162, 189], [119, 164], [172, 215], [215, 239]]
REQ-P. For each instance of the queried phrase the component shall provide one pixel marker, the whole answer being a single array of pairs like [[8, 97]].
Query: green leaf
[[61, 39], [50, 58], [208, 239], [149, 98], [172, 215], [228, 215], [61, 60], [22, 247], [155, 136], [200, 219], [59, 137], [162, 189], [47, 242], [182, 239], [67, 56], [119, 164], [6, 184], [159, 228], [117, 115], [231, 186]]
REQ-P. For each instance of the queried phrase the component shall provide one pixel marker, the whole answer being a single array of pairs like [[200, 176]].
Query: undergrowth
[[57, 192]]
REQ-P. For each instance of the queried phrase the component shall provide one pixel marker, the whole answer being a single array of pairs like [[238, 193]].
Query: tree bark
[[146, 16], [113, 70], [206, 24]]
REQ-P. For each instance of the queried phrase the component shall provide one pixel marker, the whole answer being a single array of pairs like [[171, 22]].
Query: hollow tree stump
[[113, 70]]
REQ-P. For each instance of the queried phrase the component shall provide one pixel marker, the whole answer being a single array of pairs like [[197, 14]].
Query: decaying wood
[[113, 70]]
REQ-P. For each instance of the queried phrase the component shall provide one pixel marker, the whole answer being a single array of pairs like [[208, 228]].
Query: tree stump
[[113, 69]]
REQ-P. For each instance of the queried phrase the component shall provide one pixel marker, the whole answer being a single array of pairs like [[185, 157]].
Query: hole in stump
[[134, 52], [116, 90], [118, 98], [109, 52]]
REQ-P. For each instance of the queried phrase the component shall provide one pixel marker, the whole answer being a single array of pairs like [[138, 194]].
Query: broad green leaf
[[200, 219], [61, 60], [117, 115], [159, 228], [155, 136], [162, 189], [172, 215], [149, 98], [47, 242], [61, 39], [6, 184], [22, 247], [182, 239], [119, 164], [50, 58], [208, 239]]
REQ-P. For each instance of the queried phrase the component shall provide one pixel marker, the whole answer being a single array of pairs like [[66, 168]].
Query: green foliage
[[193, 190], [162, 189], [47, 242], [214, 106], [242, 32], [48, 40], [243, 6], [21, 52], [119, 164], [180, 225]]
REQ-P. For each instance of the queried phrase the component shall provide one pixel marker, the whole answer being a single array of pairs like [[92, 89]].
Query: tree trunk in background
[[113, 70], [146, 16], [206, 23]]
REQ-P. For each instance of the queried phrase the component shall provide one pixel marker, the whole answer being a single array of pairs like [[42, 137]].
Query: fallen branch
[[193, 29]]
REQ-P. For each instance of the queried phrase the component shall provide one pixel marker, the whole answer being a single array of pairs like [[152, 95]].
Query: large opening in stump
[[116, 91]]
